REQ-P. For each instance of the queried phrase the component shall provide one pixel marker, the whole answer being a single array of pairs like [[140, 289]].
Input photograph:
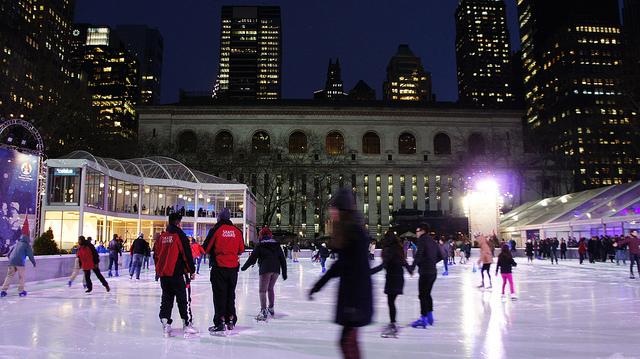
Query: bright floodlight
[[487, 185]]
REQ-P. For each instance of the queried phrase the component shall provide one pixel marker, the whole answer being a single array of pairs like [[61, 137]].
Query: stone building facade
[[394, 156]]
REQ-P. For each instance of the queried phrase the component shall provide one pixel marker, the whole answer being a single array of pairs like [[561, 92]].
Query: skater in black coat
[[394, 262], [354, 308], [529, 251]]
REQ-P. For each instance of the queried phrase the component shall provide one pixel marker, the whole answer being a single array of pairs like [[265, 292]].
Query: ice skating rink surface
[[564, 311]]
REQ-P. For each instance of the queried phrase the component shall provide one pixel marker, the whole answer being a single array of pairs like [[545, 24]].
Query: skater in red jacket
[[634, 250], [197, 252], [90, 261]]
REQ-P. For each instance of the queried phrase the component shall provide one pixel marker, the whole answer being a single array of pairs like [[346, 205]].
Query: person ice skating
[[426, 257], [486, 258], [198, 252], [444, 248], [394, 262], [90, 261], [528, 249], [354, 307], [17, 260], [553, 249], [563, 249], [323, 254], [173, 260], [582, 249], [621, 250], [139, 249], [372, 251], [224, 244], [271, 262], [295, 250], [505, 265], [634, 251], [115, 251]]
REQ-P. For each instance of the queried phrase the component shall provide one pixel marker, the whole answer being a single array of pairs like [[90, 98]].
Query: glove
[[243, 269], [310, 296], [284, 276]]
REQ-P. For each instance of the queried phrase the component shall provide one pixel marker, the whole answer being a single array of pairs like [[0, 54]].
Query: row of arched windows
[[334, 143]]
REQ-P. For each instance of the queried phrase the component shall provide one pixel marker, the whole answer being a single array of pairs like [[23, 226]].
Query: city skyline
[[311, 34]]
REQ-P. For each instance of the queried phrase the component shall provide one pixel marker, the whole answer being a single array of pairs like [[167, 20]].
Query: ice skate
[[262, 316], [189, 331], [390, 331], [217, 330], [167, 332], [514, 296], [272, 313], [69, 283], [632, 277], [429, 318], [3, 294], [117, 274], [230, 324], [23, 293], [109, 274], [445, 273], [420, 323]]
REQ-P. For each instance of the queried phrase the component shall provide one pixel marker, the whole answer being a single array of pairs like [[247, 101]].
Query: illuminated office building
[[483, 53], [112, 77], [406, 78], [631, 31], [333, 88], [250, 53], [577, 108]]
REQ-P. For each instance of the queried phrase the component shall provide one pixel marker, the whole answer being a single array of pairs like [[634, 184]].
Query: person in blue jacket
[[17, 261]]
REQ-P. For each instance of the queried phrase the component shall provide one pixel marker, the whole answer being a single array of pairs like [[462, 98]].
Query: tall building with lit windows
[[112, 77], [483, 53], [250, 53], [577, 108], [406, 78], [34, 56], [333, 88], [631, 31], [147, 45]]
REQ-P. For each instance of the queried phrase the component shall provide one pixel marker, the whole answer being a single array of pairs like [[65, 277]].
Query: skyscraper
[[576, 107], [147, 45], [406, 78], [362, 92], [333, 87], [631, 31], [483, 53], [250, 53], [112, 77]]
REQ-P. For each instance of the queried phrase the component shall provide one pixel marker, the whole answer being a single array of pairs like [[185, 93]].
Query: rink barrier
[[61, 266]]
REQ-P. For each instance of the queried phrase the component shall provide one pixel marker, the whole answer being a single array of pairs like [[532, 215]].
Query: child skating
[[505, 265], [486, 258]]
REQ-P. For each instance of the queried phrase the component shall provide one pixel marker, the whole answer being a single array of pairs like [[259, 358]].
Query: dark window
[[441, 144], [390, 157], [260, 142], [154, 133], [425, 158], [187, 141], [353, 156], [406, 144], [476, 144], [335, 143], [371, 143], [298, 142], [223, 142]]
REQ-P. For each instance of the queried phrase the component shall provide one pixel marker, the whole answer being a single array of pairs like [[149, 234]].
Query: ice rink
[[565, 311]]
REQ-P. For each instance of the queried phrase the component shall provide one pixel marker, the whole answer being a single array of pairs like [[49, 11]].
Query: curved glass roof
[[600, 203], [151, 167]]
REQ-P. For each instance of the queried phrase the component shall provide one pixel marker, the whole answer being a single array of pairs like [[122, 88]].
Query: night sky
[[363, 34]]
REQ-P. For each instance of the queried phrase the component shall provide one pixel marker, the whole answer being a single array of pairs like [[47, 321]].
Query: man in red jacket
[[173, 260], [634, 250], [224, 244]]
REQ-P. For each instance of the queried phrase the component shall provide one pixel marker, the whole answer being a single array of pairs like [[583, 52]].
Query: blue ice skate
[[420, 323]]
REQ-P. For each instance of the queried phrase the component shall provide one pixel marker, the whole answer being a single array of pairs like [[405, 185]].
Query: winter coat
[[196, 250], [486, 255], [20, 252], [505, 265], [529, 249], [355, 298], [323, 252], [393, 262], [427, 255], [270, 258], [172, 255], [114, 248], [139, 246], [582, 247], [224, 244], [634, 244], [88, 256], [563, 247]]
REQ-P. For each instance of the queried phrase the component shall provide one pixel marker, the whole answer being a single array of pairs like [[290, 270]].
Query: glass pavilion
[[99, 197], [612, 210]]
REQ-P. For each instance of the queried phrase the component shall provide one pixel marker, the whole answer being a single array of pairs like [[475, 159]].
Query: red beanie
[[265, 232]]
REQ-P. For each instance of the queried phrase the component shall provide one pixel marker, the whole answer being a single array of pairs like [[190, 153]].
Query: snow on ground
[[564, 311]]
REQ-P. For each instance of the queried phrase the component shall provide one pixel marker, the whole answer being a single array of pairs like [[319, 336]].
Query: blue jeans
[[145, 262], [113, 259], [323, 261], [198, 260], [136, 265]]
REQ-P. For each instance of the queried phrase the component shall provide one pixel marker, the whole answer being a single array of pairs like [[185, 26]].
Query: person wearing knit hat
[[17, 260], [271, 260], [354, 306]]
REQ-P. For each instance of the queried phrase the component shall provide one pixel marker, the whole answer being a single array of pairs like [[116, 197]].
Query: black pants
[[425, 284], [349, 343], [486, 267], [87, 278], [223, 285], [634, 259], [582, 257], [391, 301], [553, 255], [563, 254], [174, 288]]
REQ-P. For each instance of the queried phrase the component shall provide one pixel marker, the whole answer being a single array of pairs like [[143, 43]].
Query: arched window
[[223, 142], [441, 144], [334, 143], [476, 144], [187, 142], [298, 143], [406, 144], [260, 142], [371, 143]]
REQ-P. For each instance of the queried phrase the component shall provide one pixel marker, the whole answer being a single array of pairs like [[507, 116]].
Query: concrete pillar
[[444, 180], [408, 192], [433, 202], [384, 203], [396, 192]]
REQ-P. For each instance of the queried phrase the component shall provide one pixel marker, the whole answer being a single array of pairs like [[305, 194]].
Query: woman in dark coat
[[529, 251], [393, 261], [354, 308]]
